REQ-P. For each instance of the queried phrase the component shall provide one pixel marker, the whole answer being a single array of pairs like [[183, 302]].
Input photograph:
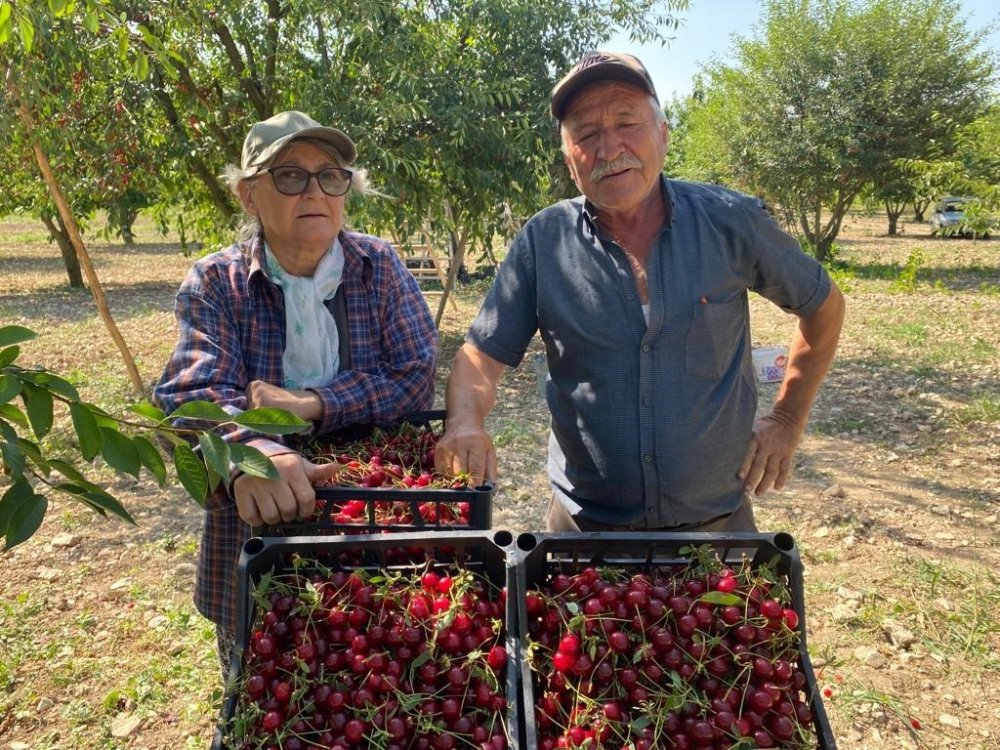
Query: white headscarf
[[312, 342]]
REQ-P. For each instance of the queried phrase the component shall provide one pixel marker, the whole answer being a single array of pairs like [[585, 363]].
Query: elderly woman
[[299, 314]]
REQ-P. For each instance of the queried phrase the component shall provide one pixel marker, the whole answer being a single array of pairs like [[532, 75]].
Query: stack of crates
[[437, 529], [537, 558], [424, 537]]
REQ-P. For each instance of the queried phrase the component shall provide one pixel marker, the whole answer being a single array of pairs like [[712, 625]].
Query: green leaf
[[15, 415], [68, 470], [271, 421], [215, 451], [57, 384], [58, 7], [21, 513], [79, 492], [10, 353], [38, 405], [200, 410], [25, 520], [11, 455], [87, 430], [13, 334], [7, 432], [214, 478], [251, 461], [90, 22], [5, 24], [148, 411], [721, 598], [27, 31], [101, 501], [120, 453], [32, 451], [9, 388], [16, 494], [639, 723], [141, 67], [151, 459], [191, 472]]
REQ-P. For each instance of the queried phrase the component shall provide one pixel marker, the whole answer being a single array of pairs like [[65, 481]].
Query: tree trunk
[[74, 235], [457, 258], [61, 236], [823, 247]]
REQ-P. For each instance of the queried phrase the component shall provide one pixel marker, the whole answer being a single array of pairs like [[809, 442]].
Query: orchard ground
[[894, 506]]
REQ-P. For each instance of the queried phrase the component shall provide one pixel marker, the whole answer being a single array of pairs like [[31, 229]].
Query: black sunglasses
[[295, 180]]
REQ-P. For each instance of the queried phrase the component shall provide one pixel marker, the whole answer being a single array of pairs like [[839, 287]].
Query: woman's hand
[[304, 404], [263, 502]]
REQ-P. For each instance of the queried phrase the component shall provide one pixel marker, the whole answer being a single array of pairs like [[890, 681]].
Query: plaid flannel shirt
[[232, 331]]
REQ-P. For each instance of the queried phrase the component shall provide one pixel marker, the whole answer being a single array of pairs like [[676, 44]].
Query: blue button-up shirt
[[649, 422]]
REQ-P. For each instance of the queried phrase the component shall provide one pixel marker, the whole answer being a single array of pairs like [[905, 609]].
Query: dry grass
[[894, 506]]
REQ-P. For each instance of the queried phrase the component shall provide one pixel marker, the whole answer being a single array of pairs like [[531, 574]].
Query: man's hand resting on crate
[[264, 502]]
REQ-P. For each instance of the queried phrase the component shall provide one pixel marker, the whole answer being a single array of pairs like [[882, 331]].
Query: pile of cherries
[[701, 658], [401, 456], [384, 659], [397, 458]]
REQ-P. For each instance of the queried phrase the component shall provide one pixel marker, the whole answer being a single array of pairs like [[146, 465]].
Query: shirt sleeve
[[508, 318], [784, 273], [403, 382], [207, 363]]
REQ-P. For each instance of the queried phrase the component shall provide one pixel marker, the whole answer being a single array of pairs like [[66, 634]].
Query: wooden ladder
[[426, 266]]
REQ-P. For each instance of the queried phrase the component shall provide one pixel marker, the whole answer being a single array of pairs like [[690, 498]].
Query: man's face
[[614, 145]]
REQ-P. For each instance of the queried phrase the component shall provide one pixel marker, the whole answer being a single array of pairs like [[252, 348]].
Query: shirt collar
[[590, 211], [357, 259]]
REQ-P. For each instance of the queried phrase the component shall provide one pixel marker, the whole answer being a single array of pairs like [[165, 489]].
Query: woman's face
[[299, 229]]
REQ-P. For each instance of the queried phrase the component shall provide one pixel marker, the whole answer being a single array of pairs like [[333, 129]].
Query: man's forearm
[[472, 387], [809, 359]]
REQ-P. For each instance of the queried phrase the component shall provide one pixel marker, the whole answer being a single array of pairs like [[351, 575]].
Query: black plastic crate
[[537, 557], [483, 554], [378, 509]]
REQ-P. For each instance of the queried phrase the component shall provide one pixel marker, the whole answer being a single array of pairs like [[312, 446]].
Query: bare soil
[[894, 506]]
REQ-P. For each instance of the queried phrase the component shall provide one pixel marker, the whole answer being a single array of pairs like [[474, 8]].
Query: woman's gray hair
[[233, 175]]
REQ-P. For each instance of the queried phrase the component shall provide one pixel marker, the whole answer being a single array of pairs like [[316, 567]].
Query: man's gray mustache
[[610, 167]]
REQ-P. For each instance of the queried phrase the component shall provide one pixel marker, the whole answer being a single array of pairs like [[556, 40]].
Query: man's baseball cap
[[600, 65], [267, 138]]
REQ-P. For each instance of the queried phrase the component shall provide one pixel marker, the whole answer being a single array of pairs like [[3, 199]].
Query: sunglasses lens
[[290, 180], [294, 181], [334, 181]]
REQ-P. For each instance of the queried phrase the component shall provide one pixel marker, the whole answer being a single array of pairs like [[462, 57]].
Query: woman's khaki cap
[[599, 65], [267, 138]]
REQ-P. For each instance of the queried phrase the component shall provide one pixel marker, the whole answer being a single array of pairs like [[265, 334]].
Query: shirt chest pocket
[[714, 337]]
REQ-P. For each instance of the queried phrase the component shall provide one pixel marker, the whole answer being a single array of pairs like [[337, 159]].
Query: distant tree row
[[141, 103], [831, 101]]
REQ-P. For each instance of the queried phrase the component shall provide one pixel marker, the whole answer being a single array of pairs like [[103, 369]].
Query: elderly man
[[639, 289]]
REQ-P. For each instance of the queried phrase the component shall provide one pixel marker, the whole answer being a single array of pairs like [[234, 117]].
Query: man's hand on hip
[[768, 460]]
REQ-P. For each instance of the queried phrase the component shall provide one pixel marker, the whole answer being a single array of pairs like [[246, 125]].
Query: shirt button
[[647, 458], [645, 401], [630, 296], [646, 347]]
